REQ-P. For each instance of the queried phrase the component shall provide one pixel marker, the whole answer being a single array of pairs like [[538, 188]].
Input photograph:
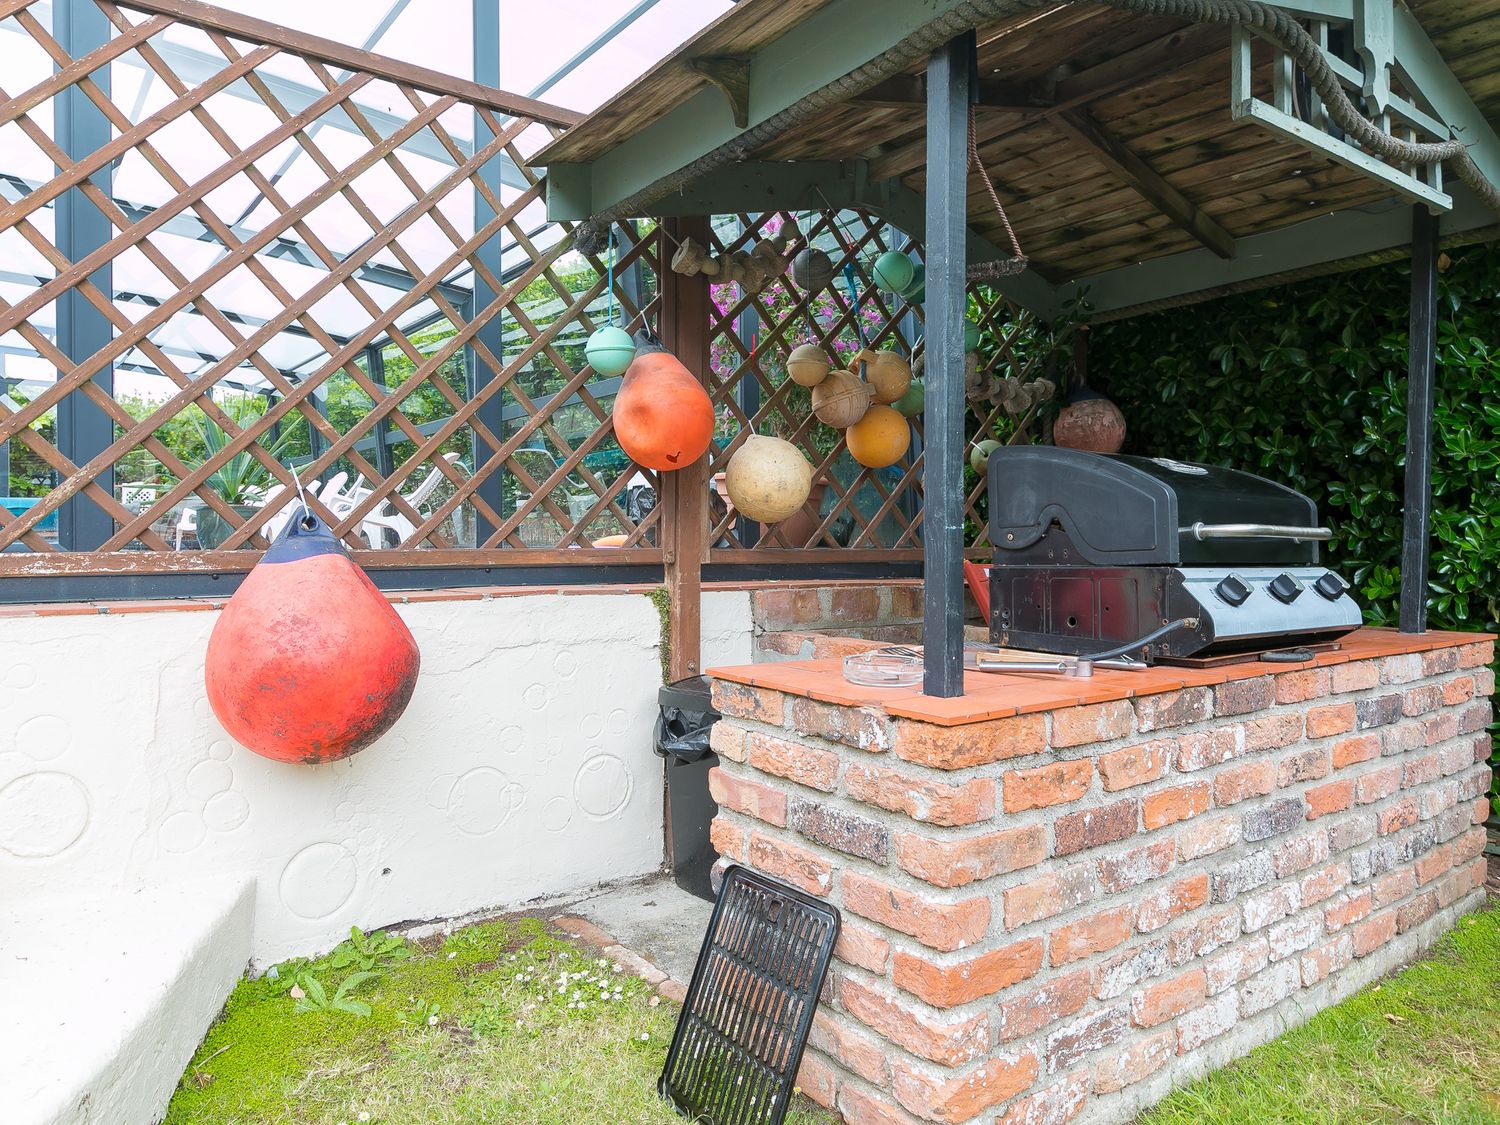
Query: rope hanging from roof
[[1272, 22], [1016, 263]]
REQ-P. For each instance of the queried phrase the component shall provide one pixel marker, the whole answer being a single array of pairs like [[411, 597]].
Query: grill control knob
[[1331, 586], [1233, 589], [1284, 588]]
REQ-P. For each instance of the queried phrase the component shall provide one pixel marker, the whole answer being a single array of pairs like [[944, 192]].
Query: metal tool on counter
[[980, 657]]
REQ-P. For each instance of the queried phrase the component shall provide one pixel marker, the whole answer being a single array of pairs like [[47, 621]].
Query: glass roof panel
[[432, 33]]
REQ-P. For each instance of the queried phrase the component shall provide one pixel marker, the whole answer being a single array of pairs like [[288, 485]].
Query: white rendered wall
[[522, 768]]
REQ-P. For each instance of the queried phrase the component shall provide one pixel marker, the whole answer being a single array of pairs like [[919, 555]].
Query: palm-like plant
[[241, 479]]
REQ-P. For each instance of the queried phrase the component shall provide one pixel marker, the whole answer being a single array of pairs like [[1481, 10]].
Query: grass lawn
[[1422, 1046], [507, 1022], [498, 1022]]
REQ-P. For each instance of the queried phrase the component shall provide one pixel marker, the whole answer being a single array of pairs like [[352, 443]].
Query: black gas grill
[[1093, 552]]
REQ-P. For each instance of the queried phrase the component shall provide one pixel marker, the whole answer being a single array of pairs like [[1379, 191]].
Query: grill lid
[[1134, 511]]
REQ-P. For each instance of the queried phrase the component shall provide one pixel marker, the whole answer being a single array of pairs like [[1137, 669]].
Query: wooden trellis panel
[[866, 514], [481, 435], [880, 511], [551, 481]]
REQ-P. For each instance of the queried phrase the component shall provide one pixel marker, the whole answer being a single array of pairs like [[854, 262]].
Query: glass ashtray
[[883, 669]]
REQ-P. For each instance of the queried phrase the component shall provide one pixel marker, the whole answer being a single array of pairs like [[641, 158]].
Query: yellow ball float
[[808, 364]]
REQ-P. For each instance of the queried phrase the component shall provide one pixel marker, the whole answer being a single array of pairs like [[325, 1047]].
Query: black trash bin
[[682, 739]]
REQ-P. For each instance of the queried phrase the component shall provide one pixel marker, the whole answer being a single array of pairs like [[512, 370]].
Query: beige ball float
[[889, 375], [808, 364], [768, 479], [841, 399]]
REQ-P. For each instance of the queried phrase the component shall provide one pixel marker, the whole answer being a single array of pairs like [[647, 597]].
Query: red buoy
[[308, 662]]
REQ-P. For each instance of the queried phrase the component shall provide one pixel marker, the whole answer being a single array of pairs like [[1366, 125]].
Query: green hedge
[[1306, 384]]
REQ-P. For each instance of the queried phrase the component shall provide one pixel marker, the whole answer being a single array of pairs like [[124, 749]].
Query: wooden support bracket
[[1151, 185], [731, 74]]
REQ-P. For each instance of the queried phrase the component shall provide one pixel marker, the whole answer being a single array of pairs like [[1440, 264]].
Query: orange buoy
[[663, 417], [880, 438], [308, 662]]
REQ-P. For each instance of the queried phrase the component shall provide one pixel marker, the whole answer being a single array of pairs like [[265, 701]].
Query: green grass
[[1422, 1046], [470, 1028]]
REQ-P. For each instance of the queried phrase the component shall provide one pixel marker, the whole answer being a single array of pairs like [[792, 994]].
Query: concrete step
[[104, 997]]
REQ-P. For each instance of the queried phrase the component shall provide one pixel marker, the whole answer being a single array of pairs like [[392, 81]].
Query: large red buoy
[[308, 662]]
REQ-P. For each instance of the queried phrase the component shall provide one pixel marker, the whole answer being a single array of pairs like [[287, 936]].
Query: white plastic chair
[[375, 524], [187, 524]]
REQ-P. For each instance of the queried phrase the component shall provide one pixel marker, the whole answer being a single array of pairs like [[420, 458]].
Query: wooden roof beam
[[1109, 150], [1124, 71], [909, 91]]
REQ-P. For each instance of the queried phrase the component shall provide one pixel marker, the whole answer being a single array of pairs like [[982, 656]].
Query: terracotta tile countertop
[[990, 696]]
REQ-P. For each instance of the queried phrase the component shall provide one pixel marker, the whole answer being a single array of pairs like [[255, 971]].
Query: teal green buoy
[[893, 271], [610, 350], [916, 290], [971, 335], [911, 403]]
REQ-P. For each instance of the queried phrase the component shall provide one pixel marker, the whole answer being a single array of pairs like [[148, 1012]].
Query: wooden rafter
[[1114, 154], [909, 91]]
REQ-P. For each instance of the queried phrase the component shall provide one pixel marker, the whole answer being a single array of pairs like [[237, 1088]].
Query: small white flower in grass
[[654, 1002], [364, 1115], [432, 1021], [452, 955], [645, 1036], [619, 968]]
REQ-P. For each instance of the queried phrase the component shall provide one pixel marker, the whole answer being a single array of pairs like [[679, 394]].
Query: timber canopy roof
[[1147, 160]]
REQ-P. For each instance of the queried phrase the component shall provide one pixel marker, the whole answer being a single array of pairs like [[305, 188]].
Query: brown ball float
[[1094, 425], [841, 399]]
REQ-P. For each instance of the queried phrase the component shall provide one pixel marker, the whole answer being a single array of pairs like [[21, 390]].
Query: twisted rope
[[1017, 262], [1270, 21]]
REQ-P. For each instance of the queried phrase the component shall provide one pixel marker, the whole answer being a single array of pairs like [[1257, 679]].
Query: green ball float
[[979, 456], [893, 271], [971, 335], [911, 403], [916, 292], [609, 350]]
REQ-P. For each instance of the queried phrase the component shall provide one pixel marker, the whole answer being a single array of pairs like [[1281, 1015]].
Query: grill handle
[[1201, 531]]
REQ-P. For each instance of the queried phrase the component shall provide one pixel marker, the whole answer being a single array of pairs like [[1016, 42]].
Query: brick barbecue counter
[[1063, 897]]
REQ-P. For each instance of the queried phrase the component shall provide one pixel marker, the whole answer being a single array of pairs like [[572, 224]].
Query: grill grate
[[739, 1040]]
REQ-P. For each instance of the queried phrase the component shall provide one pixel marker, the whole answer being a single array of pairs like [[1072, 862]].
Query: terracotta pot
[[796, 529]]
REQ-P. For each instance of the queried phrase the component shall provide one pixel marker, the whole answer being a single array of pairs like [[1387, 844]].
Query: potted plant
[[240, 481]]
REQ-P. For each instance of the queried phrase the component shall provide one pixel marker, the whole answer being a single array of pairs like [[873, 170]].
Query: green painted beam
[[1338, 237], [812, 185], [833, 42]]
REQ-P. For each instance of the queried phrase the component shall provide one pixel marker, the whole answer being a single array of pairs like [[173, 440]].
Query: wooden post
[[684, 493], [949, 82], [1421, 393]]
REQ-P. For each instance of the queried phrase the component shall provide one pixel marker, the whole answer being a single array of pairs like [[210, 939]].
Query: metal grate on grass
[[744, 1024]]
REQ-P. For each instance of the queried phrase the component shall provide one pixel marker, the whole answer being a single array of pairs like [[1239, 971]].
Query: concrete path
[[653, 918]]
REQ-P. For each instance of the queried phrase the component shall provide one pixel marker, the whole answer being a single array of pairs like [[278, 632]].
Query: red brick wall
[[1064, 914]]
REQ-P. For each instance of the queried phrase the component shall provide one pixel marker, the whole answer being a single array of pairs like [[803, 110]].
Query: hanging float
[[308, 662], [663, 417]]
